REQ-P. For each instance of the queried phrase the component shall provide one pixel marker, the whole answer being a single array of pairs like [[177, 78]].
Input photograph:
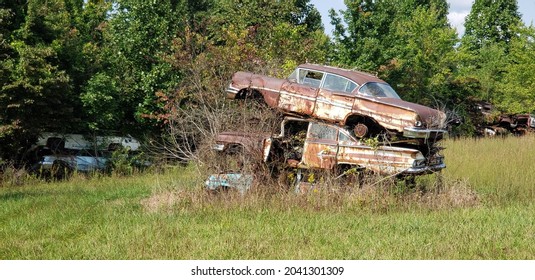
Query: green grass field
[[485, 211]]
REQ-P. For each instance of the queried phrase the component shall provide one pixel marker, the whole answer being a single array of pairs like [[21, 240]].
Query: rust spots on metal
[[337, 109], [309, 144], [319, 101]]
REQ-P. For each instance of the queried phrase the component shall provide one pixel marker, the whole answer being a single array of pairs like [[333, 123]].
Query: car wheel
[[364, 127], [360, 130]]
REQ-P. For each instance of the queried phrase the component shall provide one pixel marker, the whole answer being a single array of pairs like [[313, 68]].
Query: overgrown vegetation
[[159, 70], [483, 211], [125, 66], [130, 67]]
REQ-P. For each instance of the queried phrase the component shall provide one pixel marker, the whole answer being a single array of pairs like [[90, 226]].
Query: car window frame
[[309, 132], [301, 80], [352, 93], [297, 79]]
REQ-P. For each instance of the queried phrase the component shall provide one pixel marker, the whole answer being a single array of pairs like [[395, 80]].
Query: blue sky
[[459, 9]]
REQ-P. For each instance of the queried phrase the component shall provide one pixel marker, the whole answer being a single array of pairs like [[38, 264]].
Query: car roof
[[357, 76]]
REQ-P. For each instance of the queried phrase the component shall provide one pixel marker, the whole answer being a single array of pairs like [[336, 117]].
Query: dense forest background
[[132, 66]]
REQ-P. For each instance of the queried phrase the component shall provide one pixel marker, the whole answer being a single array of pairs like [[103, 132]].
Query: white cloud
[[458, 11], [460, 6], [457, 20]]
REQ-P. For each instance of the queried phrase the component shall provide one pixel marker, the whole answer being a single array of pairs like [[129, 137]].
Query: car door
[[335, 98], [299, 95], [321, 146]]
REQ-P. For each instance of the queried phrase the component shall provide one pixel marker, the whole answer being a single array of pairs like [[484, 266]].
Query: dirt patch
[[161, 201]]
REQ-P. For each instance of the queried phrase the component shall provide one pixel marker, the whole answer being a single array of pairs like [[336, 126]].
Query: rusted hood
[[431, 118]]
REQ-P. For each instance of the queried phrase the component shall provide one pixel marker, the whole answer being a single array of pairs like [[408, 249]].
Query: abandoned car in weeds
[[60, 154], [361, 101], [488, 121], [308, 144]]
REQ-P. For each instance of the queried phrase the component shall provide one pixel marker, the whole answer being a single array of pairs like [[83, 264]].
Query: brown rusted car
[[490, 122], [361, 101], [312, 144]]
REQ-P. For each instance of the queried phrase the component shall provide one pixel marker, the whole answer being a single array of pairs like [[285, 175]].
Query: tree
[[365, 32], [36, 93], [49, 51], [409, 43], [95, 66], [422, 61], [283, 31], [516, 87], [135, 39], [259, 36], [491, 26], [490, 21], [268, 37]]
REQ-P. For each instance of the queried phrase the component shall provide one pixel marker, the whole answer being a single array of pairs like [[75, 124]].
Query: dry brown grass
[[11, 176], [324, 196], [452, 194], [163, 201]]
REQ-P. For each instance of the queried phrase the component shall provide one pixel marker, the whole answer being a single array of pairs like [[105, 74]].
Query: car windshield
[[378, 90]]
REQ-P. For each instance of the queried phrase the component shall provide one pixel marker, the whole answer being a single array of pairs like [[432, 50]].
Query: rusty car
[[359, 100], [310, 144], [489, 121], [504, 124]]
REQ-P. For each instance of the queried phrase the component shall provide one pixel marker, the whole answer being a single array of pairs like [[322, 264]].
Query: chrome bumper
[[218, 147], [425, 169], [413, 132], [232, 92]]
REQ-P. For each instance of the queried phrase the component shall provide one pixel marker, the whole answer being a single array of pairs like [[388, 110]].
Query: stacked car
[[338, 119]]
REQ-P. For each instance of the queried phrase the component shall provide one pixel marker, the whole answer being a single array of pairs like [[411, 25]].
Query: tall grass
[[478, 214], [501, 169]]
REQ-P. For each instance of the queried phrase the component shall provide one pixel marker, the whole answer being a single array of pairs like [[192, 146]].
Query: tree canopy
[[409, 43], [491, 21], [126, 66]]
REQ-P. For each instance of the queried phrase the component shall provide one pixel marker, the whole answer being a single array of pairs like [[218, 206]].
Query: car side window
[[344, 138], [321, 131], [337, 83], [310, 78]]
